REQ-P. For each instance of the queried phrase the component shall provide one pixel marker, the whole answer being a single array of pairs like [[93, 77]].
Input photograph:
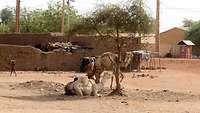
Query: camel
[[83, 86], [108, 61]]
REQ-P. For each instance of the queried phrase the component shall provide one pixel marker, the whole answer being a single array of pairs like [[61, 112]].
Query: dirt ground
[[174, 90]]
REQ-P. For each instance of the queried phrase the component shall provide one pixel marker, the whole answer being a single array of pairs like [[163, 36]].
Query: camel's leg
[[97, 77], [92, 78], [111, 82], [122, 76], [78, 90], [95, 90]]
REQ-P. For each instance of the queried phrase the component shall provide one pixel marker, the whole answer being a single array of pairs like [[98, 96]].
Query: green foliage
[[4, 28], [110, 19], [39, 20], [194, 33], [188, 22], [107, 19], [139, 18], [8, 19], [48, 20], [6, 15]]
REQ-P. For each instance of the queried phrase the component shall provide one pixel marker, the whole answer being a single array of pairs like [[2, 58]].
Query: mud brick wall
[[32, 39], [29, 58]]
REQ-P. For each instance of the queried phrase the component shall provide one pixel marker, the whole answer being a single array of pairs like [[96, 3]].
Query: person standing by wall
[[12, 67]]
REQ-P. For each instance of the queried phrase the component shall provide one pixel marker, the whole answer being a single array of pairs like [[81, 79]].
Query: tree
[[194, 33], [188, 22], [6, 15], [40, 20], [48, 20], [111, 20], [7, 19]]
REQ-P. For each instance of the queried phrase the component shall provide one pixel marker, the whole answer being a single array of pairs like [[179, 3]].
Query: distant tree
[[7, 18], [194, 33], [187, 22], [40, 20], [6, 15], [48, 20]]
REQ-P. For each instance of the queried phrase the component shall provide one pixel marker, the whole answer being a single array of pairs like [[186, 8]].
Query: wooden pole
[[68, 16], [17, 29], [68, 21], [157, 48], [63, 18]]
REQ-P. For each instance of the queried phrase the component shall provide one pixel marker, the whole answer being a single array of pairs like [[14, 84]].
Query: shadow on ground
[[53, 97]]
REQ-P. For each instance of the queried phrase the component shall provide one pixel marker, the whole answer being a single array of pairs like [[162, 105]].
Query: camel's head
[[75, 76], [82, 79], [75, 79]]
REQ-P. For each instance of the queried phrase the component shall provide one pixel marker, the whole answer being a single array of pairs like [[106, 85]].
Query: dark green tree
[[6, 15], [194, 33], [48, 20], [188, 22]]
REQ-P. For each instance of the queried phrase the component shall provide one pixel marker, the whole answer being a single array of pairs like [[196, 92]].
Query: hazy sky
[[172, 11]]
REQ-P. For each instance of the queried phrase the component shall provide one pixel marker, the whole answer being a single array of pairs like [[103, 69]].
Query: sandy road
[[171, 91]]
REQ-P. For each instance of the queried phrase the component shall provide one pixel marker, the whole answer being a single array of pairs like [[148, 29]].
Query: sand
[[169, 91]]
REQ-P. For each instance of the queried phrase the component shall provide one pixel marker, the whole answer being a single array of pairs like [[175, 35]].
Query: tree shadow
[[52, 97]]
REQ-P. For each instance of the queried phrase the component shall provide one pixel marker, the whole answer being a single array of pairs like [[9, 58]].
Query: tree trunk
[[118, 85]]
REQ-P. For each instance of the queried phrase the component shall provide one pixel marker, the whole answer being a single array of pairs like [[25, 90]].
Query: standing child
[[12, 67]]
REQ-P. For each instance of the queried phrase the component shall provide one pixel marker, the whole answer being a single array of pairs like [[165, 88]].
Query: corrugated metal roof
[[186, 42]]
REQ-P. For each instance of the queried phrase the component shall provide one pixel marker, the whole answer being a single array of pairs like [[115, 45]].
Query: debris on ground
[[42, 86], [124, 102], [162, 95], [144, 76]]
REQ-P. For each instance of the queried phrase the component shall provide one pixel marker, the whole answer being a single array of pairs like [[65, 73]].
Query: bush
[[4, 28]]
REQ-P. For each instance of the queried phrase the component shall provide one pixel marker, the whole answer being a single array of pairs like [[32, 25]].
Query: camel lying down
[[82, 86]]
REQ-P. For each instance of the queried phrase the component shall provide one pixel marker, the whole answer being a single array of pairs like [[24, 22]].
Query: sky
[[172, 11]]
